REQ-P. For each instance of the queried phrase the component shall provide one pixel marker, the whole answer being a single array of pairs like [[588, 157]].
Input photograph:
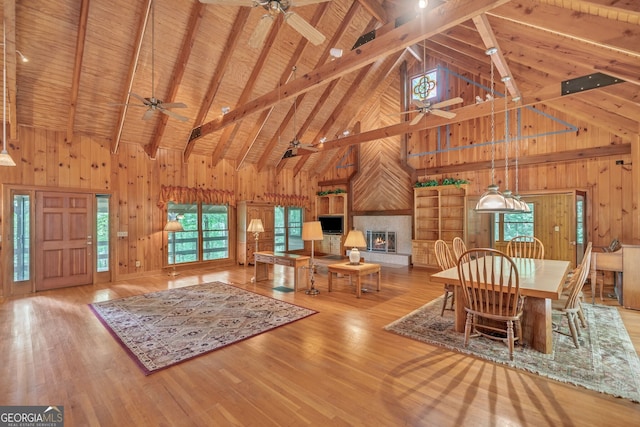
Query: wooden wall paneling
[[87, 147], [635, 185], [132, 205], [52, 159], [38, 142], [25, 160], [123, 209], [73, 162], [141, 209]]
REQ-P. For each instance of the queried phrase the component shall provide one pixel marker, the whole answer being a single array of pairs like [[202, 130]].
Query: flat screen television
[[332, 224]]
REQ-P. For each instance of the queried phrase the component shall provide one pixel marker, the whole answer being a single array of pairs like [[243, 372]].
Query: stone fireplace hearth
[[388, 238]]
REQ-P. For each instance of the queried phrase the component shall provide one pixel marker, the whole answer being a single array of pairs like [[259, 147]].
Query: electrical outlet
[[138, 264], [123, 233]]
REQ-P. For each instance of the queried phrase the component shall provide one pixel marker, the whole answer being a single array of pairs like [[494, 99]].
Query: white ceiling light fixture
[[5, 158], [22, 57], [422, 4], [492, 201], [335, 52]]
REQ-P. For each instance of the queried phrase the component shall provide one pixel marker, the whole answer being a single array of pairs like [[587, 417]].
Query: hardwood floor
[[338, 367]]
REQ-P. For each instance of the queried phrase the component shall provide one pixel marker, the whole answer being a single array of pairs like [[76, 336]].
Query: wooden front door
[[63, 240]]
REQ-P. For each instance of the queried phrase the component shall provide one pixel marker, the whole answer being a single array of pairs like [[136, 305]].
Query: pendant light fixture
[[509, 200], [492, 201], [5, 158], [522, 205]]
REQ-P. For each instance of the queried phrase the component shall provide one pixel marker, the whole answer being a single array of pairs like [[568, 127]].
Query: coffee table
[[354, 270]]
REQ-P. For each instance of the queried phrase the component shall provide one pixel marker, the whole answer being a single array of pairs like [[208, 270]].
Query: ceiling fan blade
[[173, 105], [445, 114], [260, 33], [173, 115], [447, 102], [417, 119], [142, 99], [303, 27]]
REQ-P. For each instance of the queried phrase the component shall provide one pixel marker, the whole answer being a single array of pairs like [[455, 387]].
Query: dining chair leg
[[447, 295], [572, 328], [510, 339]]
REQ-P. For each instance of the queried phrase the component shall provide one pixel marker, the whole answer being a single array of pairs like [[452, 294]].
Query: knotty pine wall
[[45, 160]]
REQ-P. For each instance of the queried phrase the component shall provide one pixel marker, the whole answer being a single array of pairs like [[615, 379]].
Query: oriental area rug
[[161, 329], [605, 362]]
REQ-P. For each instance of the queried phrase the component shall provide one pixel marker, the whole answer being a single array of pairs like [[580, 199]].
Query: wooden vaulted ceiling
[[86, 56]]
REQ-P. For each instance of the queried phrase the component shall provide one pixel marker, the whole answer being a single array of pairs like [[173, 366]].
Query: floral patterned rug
[[606, 360], [161, 329]]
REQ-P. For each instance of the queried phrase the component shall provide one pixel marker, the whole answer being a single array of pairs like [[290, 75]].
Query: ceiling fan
[[295, 144], [153, 104], [274, 7], [427, 107]]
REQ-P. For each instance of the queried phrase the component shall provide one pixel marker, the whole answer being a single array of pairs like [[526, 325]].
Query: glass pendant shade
[[509, 201], [492, 201], [5, 159]]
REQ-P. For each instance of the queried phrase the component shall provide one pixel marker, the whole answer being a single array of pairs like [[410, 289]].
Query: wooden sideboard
[[625, 261]]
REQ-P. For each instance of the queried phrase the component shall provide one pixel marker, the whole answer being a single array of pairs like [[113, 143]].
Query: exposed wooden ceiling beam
[[197, 12], [77, 67], [462, 114], [337, 35], [375, 9], [490, 42], [286, 75], [216, 79], [585, 27], [339, 109], [133, 63], [374, 91], [533, 159], [225, 137], [441, 18]]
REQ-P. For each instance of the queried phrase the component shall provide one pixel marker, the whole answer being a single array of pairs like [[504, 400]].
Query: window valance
[[287, 199], [194, 195]]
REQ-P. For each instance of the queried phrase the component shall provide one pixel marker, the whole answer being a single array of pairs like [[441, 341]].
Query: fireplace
[[381, 241]]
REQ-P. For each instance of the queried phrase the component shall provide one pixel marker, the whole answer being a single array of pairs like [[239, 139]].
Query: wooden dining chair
[[491, 289], [525, 247], [459, 247], [571, 305], [445, 261]]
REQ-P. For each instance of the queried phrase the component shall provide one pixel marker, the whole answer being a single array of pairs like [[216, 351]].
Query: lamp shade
[[173, 225], [492, 201], [355, 239], [5, 159], [255, 226], [312, 230]]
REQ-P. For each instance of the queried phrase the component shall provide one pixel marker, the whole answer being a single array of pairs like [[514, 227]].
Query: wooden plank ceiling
[[86, 57]]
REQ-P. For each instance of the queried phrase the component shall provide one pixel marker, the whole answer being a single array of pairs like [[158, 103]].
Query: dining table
[[541, 281]]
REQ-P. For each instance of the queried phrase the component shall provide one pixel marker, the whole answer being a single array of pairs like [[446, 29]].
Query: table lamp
[[256, 227], [312, 231], [355, 239], [172, 226]]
